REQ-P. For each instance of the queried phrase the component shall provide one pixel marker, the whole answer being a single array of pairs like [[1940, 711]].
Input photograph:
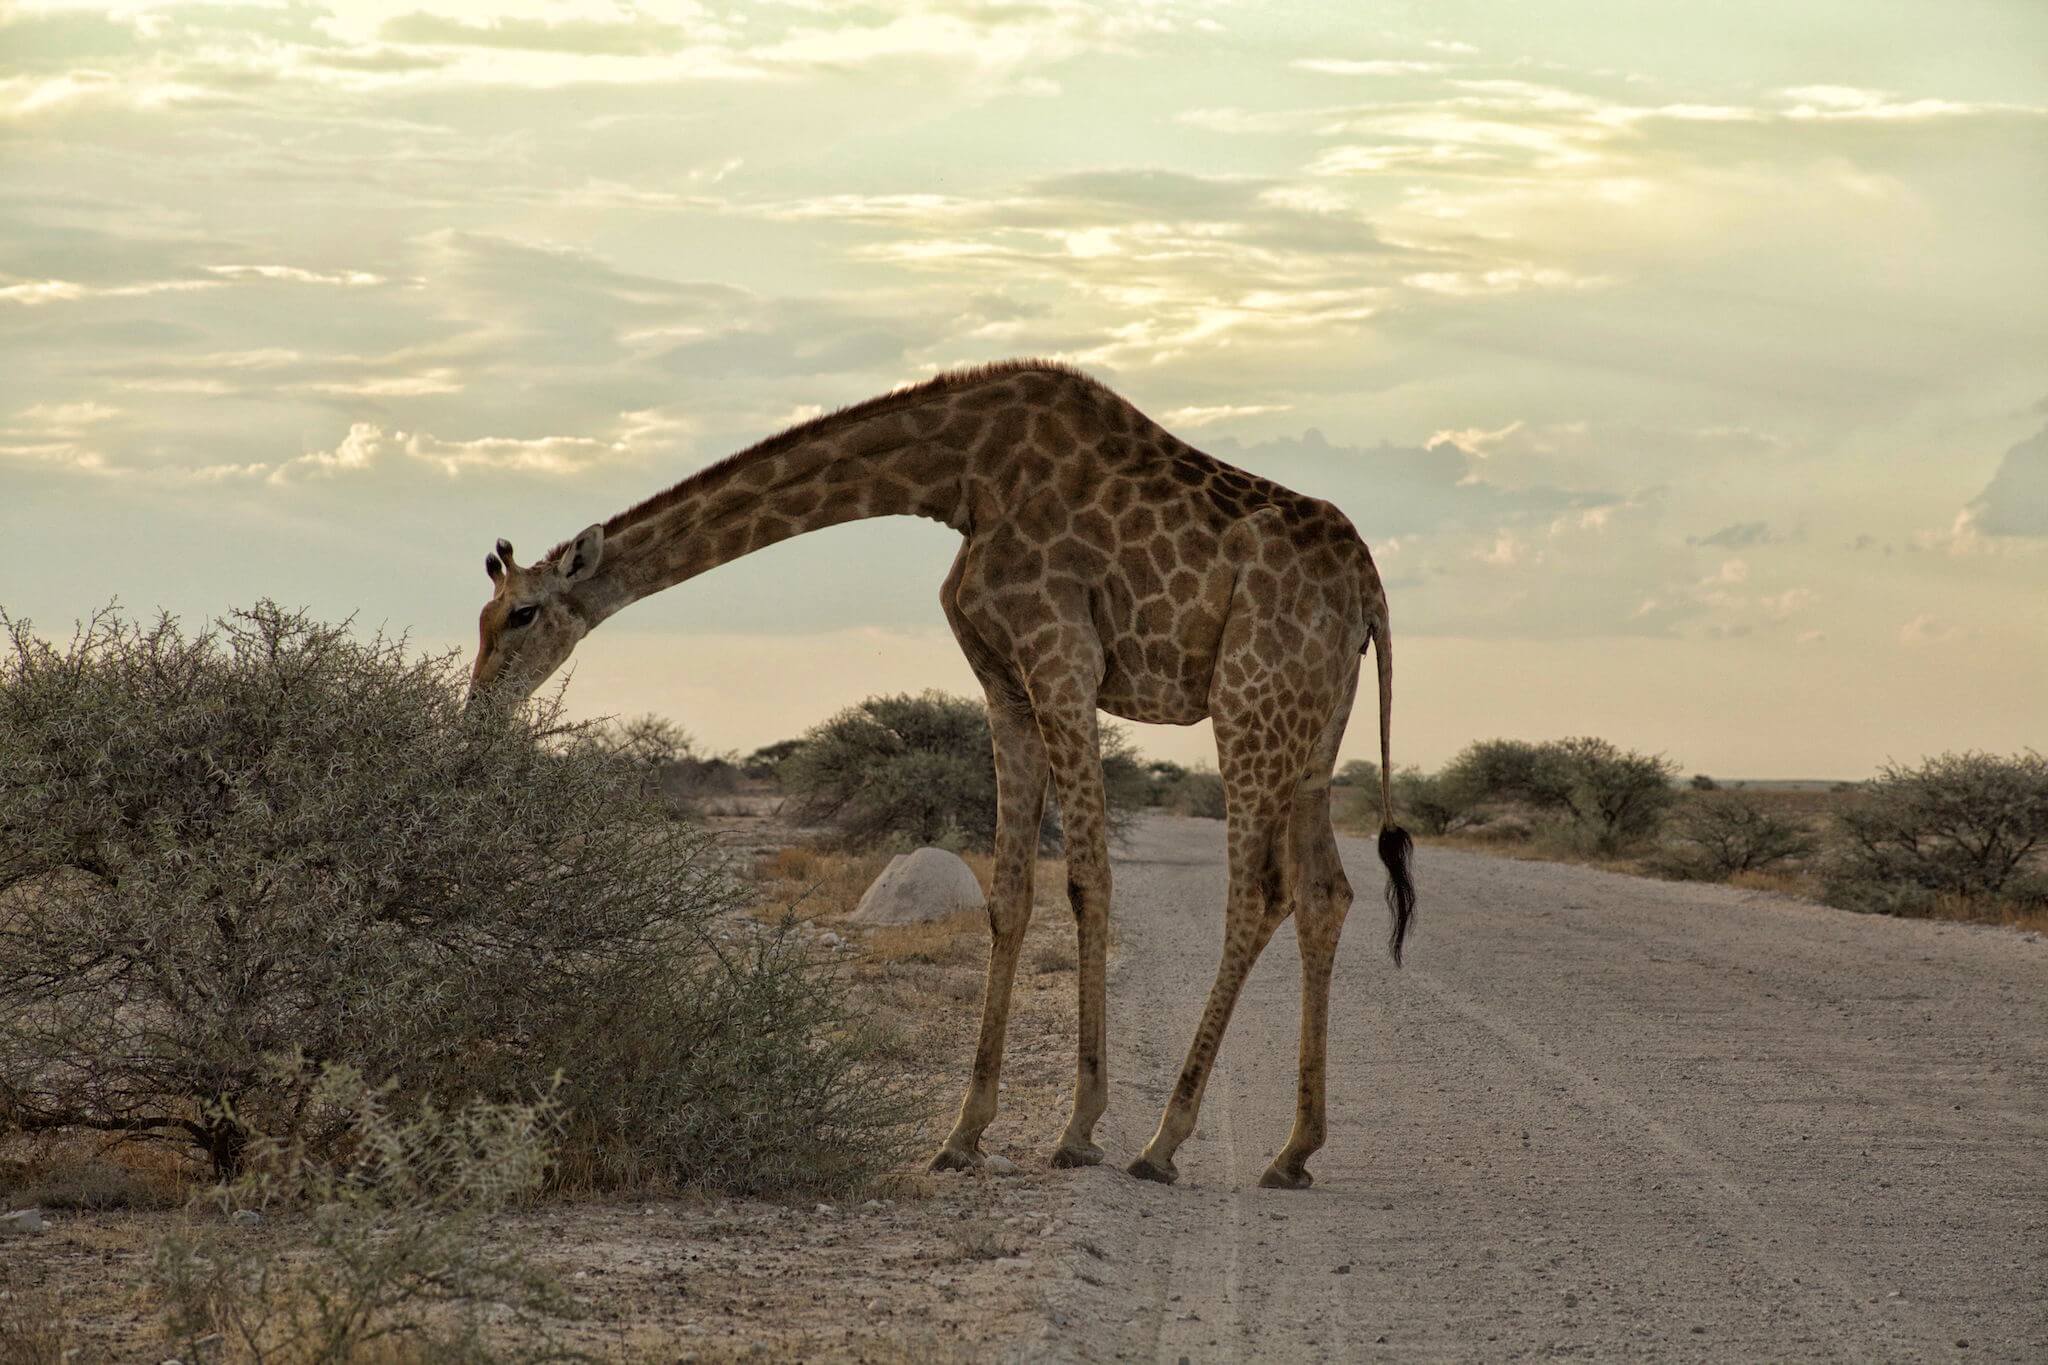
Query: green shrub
[[1968, 825], [273, 838], [906, 771], [1608, 797], [1718, 834], [1431, 804], [380, 1253], [1196, 792], [1357, 772]]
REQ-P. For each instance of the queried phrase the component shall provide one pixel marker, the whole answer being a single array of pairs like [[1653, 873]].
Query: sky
[[1686, 367]]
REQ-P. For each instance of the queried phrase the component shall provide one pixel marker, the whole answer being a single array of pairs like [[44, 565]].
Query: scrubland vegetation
[[271, 900], [1960, 836]]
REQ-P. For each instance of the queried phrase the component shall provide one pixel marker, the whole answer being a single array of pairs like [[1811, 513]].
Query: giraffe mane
[[947, 381]]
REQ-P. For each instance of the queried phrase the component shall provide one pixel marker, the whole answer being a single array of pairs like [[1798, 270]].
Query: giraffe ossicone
[[1105, 564]]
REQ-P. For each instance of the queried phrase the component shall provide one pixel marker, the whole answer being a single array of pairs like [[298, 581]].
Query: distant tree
[[1611, 797], [1718, 834], [1432, 803], [1968, 824], [1702, 783], [1197, 792], [920, 770], [1358, 772], [765, 763], [647, 741]]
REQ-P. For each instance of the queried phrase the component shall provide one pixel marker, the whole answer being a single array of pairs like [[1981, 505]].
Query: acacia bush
[[914, 770], [272, 838], [1717, 834], [1971, 825], [1608, 798], [1431, 802]]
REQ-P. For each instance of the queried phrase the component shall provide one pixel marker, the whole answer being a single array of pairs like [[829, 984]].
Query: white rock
[[926, 885], [826, 1210], [1000, 1165], [245, 1216], [21, 1220]]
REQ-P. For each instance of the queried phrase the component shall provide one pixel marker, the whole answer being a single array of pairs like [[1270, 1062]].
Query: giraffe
[[1106, 565]]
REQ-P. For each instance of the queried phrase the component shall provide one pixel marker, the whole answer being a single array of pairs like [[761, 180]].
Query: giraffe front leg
[[962, 1149], [1020, 810]]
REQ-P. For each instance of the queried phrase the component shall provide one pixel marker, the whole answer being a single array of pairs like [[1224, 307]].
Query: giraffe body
[[1105, 565]]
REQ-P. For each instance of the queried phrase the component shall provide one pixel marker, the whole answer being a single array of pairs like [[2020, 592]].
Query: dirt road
[[1595, 1116]]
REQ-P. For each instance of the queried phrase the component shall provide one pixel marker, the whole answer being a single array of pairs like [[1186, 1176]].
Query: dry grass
[[73, 1170], [33, 1328], [814, 884]]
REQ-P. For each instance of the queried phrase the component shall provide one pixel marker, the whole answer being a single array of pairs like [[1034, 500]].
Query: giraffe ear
[[579, 561]]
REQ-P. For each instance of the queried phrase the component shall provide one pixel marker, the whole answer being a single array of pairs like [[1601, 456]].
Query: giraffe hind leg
[[1322, 899]]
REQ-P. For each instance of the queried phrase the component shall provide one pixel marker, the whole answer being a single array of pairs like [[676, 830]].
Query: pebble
[[245, 1216], [825, 1211], [1000, 1165]]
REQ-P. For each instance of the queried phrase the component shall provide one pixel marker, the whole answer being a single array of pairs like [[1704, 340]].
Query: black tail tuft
[[1397, 850]]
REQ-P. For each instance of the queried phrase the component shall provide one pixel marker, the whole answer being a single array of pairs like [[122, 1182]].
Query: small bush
[[1432, 804], [384, 1249], [276, 839], [1357, 772], [1719, 834], [1702, 783], [907, 771], [1197, 792], [1610, 798], [1964, 825]]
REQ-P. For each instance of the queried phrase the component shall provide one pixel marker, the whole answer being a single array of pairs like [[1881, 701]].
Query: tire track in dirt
[[1597, 1116]]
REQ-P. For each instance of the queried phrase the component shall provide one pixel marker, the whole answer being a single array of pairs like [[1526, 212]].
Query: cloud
[[37, 293], [1345, 66], [1200, 416], [1790, 602], [642, 35], [1926, 630], [1731, 571], [1736, 535], [2015, 502], [367, 445]]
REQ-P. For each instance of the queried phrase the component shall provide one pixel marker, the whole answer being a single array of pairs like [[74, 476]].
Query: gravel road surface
[[1595, 1116]]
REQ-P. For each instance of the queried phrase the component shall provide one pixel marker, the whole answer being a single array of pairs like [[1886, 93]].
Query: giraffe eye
[[522, 616]]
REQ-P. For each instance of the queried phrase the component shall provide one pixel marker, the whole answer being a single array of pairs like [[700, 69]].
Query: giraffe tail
[[1397, 849]]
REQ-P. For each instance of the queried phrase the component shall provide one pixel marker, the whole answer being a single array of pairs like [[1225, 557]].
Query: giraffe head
[[530, 627]]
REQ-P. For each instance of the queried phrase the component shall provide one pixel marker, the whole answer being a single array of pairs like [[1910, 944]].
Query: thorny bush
[[276, 838], [1968, 825], [913, 770]]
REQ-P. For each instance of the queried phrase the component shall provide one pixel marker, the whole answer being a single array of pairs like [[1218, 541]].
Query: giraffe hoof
[[955, 1159], [1086, 1154], [1280, 1178], [1146, 1169]]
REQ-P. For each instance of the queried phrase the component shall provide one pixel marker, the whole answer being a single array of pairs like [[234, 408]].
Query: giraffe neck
[[898, 461]]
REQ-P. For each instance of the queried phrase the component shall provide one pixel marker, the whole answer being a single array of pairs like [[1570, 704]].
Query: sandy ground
[[1594, 1116]]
